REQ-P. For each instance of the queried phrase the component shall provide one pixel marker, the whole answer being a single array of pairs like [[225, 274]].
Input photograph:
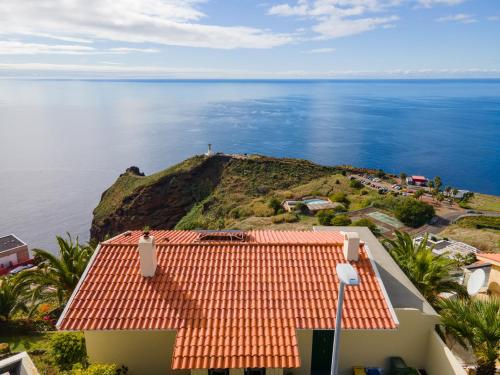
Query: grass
[[484, 202], [36, 344], [128, 183], [479, 232]]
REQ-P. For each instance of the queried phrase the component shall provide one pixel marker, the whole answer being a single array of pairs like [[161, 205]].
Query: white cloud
[[129, 50], [431, 3], [460, 17], [168, 22], [21, 48], [340, 18], [494, 18], [321, 50]]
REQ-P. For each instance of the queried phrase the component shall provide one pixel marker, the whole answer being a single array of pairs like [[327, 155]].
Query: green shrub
[[275, 205], [96, 369], [363, 192], [4, 348], [68, 349], [365, 222], [339, 208], [380, 173], [355, 184], [339, 197], [262, 210], [337, 182], [290, 218], [341, 220], [325, 217], [278, 219], [413, 213]]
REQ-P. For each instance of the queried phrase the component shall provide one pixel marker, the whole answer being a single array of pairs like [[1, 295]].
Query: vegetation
[[413, 212], [325, 217], [275, 205], [484, 202], [428, 272], [98, 369], [474, 324], [68, 349], [356, 184], [13, 297], [57, 277], [482, 232], [340, 220], [365, 222]]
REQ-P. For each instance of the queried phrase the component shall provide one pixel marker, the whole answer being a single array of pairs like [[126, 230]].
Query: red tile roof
[[233, 304], [492, 257]]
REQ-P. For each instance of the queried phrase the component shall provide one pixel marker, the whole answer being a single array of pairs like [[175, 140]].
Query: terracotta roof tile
[[233, 304]]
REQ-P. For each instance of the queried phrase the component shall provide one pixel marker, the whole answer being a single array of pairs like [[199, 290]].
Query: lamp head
[[347, 274]]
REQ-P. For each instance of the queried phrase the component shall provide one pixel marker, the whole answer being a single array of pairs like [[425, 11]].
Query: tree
[[475, 324], [413, 213], [418, 194], [325, 217], [403, 176], [275, 204], [428, 272], [341, 220], [13, 297], [340, 197], [438, 182], [356, 184], [57, 276]]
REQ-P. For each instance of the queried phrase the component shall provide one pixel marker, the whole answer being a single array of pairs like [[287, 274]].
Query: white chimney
[[147, 255], [351, 245]]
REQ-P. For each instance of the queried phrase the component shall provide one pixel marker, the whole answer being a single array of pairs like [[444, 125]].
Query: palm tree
[[57, 277], [428, 272], [13, 297], [475, 324], [418, 194]]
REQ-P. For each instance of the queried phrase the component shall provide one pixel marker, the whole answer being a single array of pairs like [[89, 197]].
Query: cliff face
[[201, 192], [160, 203]]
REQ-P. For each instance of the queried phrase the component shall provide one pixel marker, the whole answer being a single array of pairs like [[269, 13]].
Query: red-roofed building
[[234, 303], [417, 180]]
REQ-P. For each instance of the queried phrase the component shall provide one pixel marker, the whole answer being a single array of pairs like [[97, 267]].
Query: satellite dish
[[476, 282]]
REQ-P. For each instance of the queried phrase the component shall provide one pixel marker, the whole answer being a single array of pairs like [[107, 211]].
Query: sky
[[250, 38]]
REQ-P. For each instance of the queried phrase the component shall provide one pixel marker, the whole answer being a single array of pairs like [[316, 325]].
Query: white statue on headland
[[209, 152]]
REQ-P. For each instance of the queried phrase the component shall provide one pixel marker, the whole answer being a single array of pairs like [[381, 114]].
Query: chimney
[[351, 245], [147, 255]]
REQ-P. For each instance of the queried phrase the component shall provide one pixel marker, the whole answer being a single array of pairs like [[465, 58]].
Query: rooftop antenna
[[476, 282]]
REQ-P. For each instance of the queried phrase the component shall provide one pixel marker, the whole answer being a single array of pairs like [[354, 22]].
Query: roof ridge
[[220, 243]]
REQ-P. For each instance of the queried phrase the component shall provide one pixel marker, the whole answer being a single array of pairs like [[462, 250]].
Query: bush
[[337, 182], [413, 213], [261, 209], [341, 220], [98, 369], [339, 197], [339, 208], [363, 192], [275, 205], [4, 348], [300, 207], [355, 184], [365, 222], [290, 218], [380, 173], [325, 217], [68, 349]]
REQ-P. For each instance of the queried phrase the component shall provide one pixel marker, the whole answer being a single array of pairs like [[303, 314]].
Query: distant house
[[460, 194], [494, 275], [417, 180], [13, 252], [452, 247], [313, 204], [256, 303]]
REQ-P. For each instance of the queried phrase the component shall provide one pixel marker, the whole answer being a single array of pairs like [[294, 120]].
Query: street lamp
[[347, 276]]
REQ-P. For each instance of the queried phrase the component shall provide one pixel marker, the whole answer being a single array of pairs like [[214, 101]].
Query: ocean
[[63, 142]]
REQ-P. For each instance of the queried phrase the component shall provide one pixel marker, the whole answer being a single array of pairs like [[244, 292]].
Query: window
[[255, 371], [218, 371]]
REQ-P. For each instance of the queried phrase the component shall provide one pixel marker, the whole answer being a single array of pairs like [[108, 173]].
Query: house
[[313, 204], [13, 252], [417, 180], [494, 275], [446, 246], [18, 364], [257, 302]]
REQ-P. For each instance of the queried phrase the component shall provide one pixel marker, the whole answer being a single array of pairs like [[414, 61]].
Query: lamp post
[[347, 276]]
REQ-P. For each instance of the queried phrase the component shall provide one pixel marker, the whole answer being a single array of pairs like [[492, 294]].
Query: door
[[322, 348]]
